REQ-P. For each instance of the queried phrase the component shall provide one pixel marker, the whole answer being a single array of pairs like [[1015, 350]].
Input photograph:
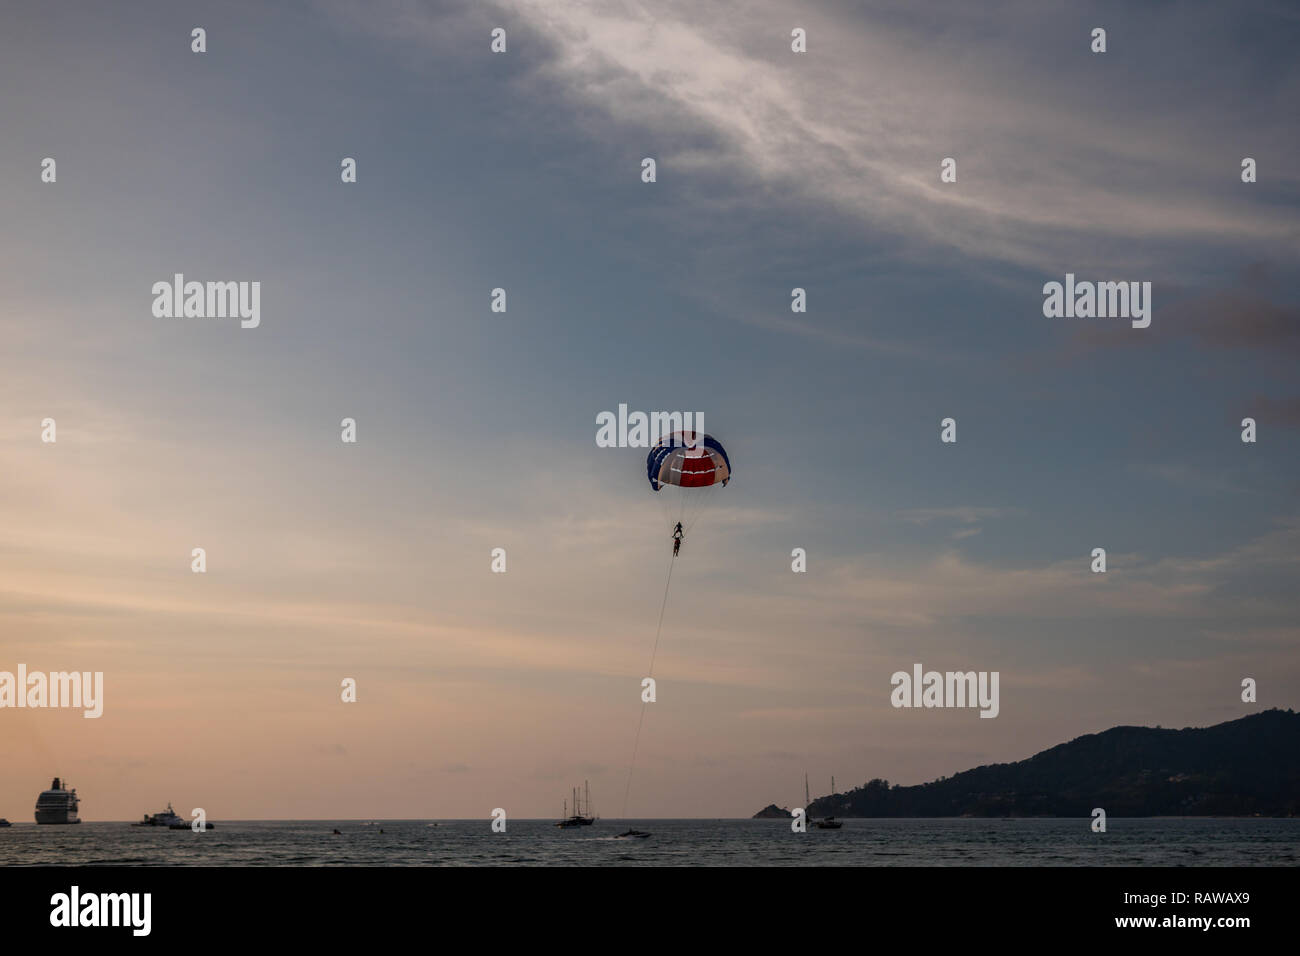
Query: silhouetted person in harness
[[678, 534]]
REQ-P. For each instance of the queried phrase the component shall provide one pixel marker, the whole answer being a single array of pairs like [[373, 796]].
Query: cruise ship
[[57, 805]]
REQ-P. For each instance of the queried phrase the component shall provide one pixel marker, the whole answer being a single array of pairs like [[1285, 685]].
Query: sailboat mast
[[806, 799]]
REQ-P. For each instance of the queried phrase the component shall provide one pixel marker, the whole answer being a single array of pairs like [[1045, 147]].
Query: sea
[[1152, 841]]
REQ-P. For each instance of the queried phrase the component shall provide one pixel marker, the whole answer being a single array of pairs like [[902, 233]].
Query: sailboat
[[828, 822], [578, 819]]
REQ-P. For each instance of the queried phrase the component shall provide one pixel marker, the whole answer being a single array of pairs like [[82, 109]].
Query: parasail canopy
[[689, 460]]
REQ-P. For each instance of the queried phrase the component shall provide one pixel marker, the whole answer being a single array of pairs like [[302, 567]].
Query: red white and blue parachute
[[688, 460], [686, 469]]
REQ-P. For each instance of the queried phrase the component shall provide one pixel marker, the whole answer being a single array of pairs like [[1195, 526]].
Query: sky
[[476, 430]]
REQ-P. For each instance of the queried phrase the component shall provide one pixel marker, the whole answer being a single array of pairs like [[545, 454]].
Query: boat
[[4, 822], [631, 834], [578, 819], [170, 819], [828, 822], [183, 825], [57, 804], [163, 818]]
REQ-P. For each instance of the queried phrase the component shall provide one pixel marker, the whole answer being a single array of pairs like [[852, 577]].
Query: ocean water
[[928, 842]]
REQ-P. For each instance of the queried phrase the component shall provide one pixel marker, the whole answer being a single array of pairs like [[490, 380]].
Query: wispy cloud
[[866, 142]]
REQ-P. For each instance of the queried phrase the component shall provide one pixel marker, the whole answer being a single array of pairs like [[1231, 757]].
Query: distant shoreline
[[1239, 769]]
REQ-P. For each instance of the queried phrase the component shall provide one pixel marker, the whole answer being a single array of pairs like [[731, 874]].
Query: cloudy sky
[[476, 430]]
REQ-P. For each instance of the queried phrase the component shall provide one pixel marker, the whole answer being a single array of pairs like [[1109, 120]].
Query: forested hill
[[1239, 768]]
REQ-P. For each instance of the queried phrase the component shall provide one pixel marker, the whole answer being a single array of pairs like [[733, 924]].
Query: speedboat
[[631, 834], [830, 823], [4, 822]]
